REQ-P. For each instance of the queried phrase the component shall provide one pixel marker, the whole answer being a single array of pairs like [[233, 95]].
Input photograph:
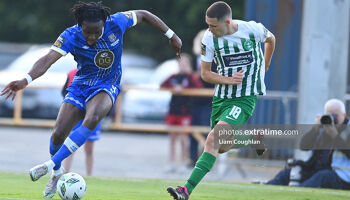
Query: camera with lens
[[329, 119], [296, 174], [300, 169]]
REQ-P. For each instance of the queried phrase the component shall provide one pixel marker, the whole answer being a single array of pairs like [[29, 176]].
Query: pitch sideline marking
[[254, 186], [292, 189], [16, 198]]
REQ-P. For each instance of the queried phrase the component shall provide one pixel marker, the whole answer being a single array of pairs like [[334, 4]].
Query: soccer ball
[[71, 186]]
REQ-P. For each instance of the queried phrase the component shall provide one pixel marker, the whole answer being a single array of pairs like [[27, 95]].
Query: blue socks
[[75, 140], [53, 150]]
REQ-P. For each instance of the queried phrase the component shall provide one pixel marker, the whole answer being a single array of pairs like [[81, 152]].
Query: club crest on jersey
[[59, 42], [104, 59], [248, 45], [112, 37]]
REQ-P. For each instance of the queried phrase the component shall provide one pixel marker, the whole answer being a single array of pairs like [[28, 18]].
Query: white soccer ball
[[71, 186]]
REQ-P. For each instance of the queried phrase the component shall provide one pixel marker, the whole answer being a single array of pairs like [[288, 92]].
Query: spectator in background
[[300, 169], [201, 107], [328, 167], [89, 145], [179, 111], [196, 49], [338, 176]]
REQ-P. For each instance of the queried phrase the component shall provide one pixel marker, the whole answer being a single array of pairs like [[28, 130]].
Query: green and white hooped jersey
[[232, 53]]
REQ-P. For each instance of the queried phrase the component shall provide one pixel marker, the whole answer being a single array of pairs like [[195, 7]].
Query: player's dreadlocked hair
[[91, 12]]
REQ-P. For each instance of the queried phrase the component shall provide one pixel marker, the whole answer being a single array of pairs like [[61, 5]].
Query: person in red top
[[179, 112], [89, 145]]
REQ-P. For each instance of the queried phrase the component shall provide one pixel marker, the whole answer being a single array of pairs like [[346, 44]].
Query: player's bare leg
[[89, 157], [67, 163], [62, 129], [172, 152], [96, 109], [67, 117], [184, 151]]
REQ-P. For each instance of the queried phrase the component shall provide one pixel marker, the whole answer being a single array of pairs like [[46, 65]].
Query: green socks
[[203, 166]]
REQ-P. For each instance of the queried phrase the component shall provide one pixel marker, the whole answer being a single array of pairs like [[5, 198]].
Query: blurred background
[[310, 65]]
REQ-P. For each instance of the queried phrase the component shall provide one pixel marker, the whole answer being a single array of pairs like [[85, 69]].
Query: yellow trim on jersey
[[58, 50]]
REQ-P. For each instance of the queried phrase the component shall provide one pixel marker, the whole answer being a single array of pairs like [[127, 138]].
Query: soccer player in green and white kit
[[235, 46]]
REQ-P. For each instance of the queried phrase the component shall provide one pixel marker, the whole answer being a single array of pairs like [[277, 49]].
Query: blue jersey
[[99, 64]]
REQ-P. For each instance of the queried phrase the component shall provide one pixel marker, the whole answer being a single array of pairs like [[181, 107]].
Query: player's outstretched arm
[[38, 69], [214, 78], [269, 49], [175, 41]]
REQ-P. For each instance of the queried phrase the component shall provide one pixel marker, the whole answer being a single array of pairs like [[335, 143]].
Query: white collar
[[103, 30]]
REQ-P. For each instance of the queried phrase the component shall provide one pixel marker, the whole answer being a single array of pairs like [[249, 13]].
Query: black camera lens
[[328, 119]]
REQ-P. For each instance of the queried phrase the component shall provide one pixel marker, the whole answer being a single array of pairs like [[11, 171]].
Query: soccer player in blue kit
[[96, 43]]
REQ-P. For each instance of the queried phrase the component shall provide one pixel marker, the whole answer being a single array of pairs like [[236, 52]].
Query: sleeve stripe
[[59, 50], [134, 18]]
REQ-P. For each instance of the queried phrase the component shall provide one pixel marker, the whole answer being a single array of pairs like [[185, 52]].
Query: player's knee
[[58, 136], [88, 148], [88, 152], [91, 121]]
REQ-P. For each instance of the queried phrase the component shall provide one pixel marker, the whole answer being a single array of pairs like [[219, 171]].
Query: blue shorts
[[95, 134], [79, 95]]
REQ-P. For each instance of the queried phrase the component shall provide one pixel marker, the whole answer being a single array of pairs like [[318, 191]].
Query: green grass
[[20, 187]]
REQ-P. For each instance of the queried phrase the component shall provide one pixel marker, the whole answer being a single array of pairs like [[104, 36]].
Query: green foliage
[[41, 21]]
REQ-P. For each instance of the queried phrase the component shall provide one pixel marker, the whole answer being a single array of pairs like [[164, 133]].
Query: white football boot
[[51, 187], [38, 171]]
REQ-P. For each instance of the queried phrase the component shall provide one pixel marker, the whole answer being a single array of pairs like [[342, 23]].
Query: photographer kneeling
[[319, 141], [332, 134]]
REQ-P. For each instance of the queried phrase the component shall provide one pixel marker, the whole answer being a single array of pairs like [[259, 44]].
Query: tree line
[[41, 21]]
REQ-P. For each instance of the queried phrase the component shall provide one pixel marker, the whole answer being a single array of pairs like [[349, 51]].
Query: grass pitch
[[20, 187]]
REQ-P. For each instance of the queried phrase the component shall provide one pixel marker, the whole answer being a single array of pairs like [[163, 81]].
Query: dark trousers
[[282, 178], [201, 111], [326, 178], [193, 149]]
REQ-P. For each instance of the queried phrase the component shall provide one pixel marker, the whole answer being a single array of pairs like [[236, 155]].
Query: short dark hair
[[219, 10], [91, 12]]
